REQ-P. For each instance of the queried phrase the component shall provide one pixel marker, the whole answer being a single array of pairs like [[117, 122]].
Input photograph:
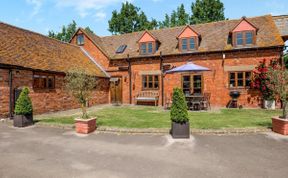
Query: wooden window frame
[[77, 40], [47, 76], [236, 79], [192, 82], [147, 81], [188, 44], [244, 38], [147, 47]]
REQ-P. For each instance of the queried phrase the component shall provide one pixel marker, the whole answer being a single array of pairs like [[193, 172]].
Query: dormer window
[[244, 38], [244, 33], [148, 44], [80, 39], [188, 39], [147, 48], [187, 44]]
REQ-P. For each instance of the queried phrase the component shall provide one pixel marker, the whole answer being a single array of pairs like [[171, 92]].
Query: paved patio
[[50, 152]]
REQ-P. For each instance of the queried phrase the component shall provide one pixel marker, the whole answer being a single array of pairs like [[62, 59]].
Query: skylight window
[[121, 49]]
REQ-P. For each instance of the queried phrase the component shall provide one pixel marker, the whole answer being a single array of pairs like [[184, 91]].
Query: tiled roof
[[19, 47], [282, 24], [214, 37]]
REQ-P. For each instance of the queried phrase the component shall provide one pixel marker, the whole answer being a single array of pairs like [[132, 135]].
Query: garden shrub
[[179, 113], [23, 103]]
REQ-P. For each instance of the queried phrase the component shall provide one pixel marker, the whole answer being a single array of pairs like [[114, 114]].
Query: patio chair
[[195, 104], [206, 101]]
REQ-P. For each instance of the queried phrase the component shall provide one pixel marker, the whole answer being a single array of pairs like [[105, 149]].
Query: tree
[[286, 60], [177, 18], [23, 104], [66, 32], [182, 16], [80, 85], [165, 23], [129, 19], [279, 76], [179, 113], [204, 11]]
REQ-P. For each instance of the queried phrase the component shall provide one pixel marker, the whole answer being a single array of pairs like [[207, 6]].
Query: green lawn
[[152, 117]]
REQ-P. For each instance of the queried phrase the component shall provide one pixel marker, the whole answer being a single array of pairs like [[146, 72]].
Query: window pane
[[186, 85], [192, 43], [240, 79], [150, 81], [144, 81], [51, 82], [239, 39], [232, 82], [156, 82], [184, 44], [80, 39], [150, 48], [249, 38], [143, 48], [248, 79], [197, 84]]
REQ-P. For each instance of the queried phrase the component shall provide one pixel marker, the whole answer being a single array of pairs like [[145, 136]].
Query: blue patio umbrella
[[189, 67]]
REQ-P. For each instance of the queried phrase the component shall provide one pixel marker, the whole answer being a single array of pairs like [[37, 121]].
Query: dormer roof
[[244, 25], [188, 31], [147, 37]]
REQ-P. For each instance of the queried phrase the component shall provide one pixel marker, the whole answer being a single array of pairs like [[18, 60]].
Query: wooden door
[[116, 90]]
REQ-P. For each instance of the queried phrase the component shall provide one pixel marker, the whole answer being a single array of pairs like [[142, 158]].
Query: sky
[[44, 15]]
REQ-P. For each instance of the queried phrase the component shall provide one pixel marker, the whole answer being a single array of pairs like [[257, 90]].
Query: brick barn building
[[129, 64], [38, 62], [231, 49]]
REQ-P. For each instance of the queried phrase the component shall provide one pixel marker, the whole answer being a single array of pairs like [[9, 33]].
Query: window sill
[[147, 89], [44, 90]]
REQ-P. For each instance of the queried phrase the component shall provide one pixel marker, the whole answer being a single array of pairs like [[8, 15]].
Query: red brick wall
[[215, 81], [4, 92], [93, 50], [48, 100]]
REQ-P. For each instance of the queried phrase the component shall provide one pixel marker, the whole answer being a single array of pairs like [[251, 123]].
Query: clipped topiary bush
[[179, 113], [23, 103]]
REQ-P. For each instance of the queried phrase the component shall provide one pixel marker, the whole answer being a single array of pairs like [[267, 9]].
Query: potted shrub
[[23, 110], [279, 76], [81, 85], [262, 82], [180, 127]]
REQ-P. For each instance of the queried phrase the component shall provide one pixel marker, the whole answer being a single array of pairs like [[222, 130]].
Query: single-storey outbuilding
[[40, 63]]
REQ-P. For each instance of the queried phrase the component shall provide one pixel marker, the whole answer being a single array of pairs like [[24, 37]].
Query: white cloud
[[100, 15], [37, 4], [84, 7]]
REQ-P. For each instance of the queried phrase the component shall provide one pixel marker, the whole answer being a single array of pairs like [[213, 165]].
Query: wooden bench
[[148, 96]]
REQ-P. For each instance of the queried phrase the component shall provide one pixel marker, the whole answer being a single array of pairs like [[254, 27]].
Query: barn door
[[116, 90]]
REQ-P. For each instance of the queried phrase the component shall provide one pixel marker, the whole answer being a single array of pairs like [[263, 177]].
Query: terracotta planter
[[85, 126], [280, 125], [180, 130], [22, 120]]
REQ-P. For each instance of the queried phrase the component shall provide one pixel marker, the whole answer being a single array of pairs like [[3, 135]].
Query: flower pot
[[269, 104], [280, 125], [85, 126], [22, 120], [180, 130]]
